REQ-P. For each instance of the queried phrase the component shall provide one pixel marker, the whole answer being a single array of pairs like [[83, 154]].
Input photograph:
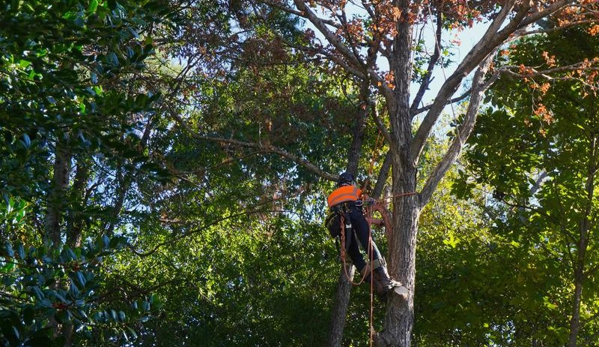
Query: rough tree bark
[[58, 190], [339, 312], [75, 220]]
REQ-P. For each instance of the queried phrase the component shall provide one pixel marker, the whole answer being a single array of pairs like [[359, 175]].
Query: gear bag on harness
[[333, 223]]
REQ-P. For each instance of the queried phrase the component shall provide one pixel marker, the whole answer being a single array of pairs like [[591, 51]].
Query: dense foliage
[[71, 113], [164, 167], [537, 149]]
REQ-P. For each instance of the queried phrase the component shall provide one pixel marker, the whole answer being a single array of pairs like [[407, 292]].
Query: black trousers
[[360, 231]]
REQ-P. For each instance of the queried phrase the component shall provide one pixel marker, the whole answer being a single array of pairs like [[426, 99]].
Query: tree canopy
[[165, 166]]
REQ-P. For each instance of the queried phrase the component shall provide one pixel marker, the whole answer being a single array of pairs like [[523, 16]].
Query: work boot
[[384, 283], [367, 276]]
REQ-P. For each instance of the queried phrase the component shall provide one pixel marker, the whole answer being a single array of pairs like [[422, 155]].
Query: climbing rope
[[368, 216], [366, 273], [343, 254], [377, 144], [371, 253]]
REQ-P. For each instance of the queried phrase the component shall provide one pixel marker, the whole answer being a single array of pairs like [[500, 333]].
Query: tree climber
[[345, 205]]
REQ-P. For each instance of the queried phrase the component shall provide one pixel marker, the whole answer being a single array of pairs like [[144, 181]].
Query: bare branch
[[462, 134], [353, 64], [559, 27], [542, 176], [331, 38], [382, 128], [290, 10], [339, 61], [355, 148], [344, 25], [264, 147], [532, 72], [367, 5], [450, 101], [382, 178], [489, 42], [426, 79], [548, 10]]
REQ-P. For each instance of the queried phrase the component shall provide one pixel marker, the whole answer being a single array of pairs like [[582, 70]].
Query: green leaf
[[98, 90], [81, 278], [60, 297], [79, 22], [82, 313], [9, 250], [117, 241], [21, 251], [38, 293], [132, 332], [26, 141], [9, 206], [106, 241], [6, 198], [93, 6], [16, 332], [8, 267], [72, 254], [113, 59], [40, 340], [14, 5], [24, 63]]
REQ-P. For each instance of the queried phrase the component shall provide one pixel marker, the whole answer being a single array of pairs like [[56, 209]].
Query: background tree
[[75, 124], [544, 178]]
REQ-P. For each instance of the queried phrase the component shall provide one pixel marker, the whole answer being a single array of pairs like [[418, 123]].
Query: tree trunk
[[75, 219], [399, 318], [575, 320], [584, 228], [340, 308], [56, 196], [55, 211], [344, 286]]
